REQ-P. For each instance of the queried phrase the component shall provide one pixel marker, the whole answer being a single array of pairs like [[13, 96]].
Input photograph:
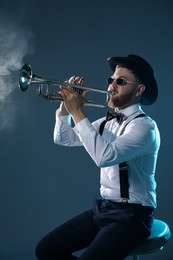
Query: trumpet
[[27, 78]]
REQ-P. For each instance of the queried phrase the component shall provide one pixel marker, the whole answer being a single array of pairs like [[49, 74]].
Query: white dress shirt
[[136, 141]]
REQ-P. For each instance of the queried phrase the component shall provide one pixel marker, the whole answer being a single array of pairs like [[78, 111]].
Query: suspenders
[[123, 172]]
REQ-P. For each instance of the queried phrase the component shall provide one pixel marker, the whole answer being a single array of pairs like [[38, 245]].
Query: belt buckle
[[124, 201]]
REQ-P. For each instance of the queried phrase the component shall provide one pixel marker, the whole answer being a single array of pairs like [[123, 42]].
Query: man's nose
[[112, 86]]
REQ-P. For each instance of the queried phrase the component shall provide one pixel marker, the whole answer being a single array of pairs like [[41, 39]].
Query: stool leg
[[136, 257]]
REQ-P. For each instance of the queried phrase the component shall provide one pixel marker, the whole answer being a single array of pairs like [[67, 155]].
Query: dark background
[[42, 184]]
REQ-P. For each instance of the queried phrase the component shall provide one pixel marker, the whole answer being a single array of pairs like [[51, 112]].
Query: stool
[[160, 235]]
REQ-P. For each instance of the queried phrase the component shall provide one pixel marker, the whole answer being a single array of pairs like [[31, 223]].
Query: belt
[[133, 206]]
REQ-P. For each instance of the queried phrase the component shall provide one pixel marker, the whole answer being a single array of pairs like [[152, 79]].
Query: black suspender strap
[[123, 169], [123, 174], [124, 183]]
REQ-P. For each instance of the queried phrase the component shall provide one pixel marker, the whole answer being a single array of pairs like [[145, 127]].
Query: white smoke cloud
[[15, 44]]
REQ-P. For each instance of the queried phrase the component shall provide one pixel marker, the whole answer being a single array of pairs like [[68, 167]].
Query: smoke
[[15, 44]]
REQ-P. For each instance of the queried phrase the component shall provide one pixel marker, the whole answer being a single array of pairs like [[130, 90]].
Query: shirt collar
[[128, 111]]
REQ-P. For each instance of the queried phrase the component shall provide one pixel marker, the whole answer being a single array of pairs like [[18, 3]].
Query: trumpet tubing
[[27, 78]]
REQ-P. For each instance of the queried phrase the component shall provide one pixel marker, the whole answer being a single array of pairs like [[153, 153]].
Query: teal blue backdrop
[[59, 39]]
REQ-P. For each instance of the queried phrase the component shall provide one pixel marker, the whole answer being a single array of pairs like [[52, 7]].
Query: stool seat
[[160, 235]]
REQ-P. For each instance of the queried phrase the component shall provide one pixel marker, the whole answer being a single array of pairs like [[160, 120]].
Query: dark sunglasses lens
[[109, 81], [120, 82]]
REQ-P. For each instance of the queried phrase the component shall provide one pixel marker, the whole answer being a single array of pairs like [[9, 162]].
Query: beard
[[121, 101]]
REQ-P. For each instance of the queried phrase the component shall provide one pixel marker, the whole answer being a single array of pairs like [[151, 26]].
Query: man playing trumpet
[[124, 145]]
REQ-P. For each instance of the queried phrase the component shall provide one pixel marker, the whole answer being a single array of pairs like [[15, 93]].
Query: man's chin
[[112, 104], [112, 107]]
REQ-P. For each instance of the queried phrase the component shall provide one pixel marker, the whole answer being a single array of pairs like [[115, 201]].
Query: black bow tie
[[118, 116], [110, 116]]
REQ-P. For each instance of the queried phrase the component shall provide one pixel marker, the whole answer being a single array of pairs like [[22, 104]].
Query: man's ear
[[140, 90]]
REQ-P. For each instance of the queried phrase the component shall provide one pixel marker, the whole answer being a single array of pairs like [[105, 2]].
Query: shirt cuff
[[60, 119]]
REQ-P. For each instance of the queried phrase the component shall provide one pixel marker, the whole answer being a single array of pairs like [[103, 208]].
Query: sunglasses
[[119, 81]]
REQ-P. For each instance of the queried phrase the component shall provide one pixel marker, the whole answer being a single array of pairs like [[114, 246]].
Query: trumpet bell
[[25, 77]]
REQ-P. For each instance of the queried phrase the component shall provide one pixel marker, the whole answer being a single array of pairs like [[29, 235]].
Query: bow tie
[[110, 116], [118, 116]]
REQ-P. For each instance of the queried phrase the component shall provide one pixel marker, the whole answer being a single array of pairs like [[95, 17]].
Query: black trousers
[[108, 231]]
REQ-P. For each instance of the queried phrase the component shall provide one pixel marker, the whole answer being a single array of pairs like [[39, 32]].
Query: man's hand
[[73, 99]]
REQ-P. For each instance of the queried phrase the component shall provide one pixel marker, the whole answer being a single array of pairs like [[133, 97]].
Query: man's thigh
[[69, 237], [115, 241]]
